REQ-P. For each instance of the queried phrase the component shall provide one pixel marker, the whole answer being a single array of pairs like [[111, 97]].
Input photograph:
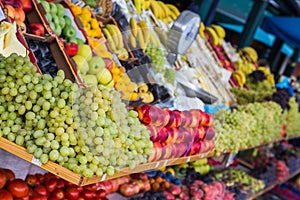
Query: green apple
[[55, 20], [67, 20], [58, 30], [79, 41], [82, 64], [52, 25], [85, 51], [73, 40], [104, 76], [53, 8], [46, 6], [62, 22], [90, 80], [69, 31], [48, 17], [96, 63], [60, 10]]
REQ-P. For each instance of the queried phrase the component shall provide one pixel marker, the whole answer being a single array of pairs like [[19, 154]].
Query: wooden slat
[[72, 177]]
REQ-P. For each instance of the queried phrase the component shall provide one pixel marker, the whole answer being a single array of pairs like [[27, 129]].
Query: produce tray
[[267, 189], [81, 181]]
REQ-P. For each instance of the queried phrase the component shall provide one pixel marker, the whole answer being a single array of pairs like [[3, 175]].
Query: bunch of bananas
[[250, 53], [141, 5], [90, 24], [245, 66], [268, 74], [115, 41], [140, 34], [164, 12], [216, 33], [240, 77]]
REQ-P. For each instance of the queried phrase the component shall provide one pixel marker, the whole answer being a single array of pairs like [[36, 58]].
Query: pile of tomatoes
[[44, 187]]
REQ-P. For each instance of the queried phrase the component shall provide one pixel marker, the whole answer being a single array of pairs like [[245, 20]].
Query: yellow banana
[[155, 9], [214, 37], [154, 39], [138, 5], [133, 26], [173, 8], [163, 8], [201, 30], [110, 40], [141, 40], [116, 35], [132, 40], [173, 15], [251, 53], [240, 77], [219, 30], [145, 30], [146, 4]]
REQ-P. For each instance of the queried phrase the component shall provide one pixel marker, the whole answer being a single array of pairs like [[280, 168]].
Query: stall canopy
[[285, 28]]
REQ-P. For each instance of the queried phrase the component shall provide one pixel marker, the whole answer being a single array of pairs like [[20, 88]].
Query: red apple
[[41, 190], [71, 48], [169, 195], [71, 193], [37, 29], [109, 63]]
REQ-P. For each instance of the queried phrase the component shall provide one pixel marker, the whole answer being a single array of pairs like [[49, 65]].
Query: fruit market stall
[[94, 94]]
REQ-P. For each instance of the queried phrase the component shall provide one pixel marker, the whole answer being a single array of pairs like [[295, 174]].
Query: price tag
[[157, 164], [36, 161], [103, 177], [165, 163], [188, 159]]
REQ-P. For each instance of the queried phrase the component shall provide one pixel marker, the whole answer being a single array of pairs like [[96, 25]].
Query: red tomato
[[31, 180], [91, 187], [3, 179], [38, 197], [4, 194], [10, 175], [100, 193], [51, 184], [58, 194], [18, 188], [41, 190], [72, 193], [87, 194], [60, 183]]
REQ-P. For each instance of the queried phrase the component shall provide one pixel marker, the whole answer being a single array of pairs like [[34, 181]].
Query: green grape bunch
[[87, 130]]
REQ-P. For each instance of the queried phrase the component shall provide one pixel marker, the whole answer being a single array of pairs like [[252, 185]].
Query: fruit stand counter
[[79, 180]]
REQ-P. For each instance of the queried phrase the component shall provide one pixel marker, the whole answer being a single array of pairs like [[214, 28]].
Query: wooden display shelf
[[267, 189], [74, 178]]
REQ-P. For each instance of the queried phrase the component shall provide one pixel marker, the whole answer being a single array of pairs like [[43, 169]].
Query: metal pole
[[253, 22], [211, 13]]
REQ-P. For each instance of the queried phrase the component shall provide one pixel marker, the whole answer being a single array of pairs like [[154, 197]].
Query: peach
[[195, 148], [175, 189], [200, 133], [172, 134], [186, 118], [196, 117], [141, 110], [209, 133], [206, 120], [175, 118]]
